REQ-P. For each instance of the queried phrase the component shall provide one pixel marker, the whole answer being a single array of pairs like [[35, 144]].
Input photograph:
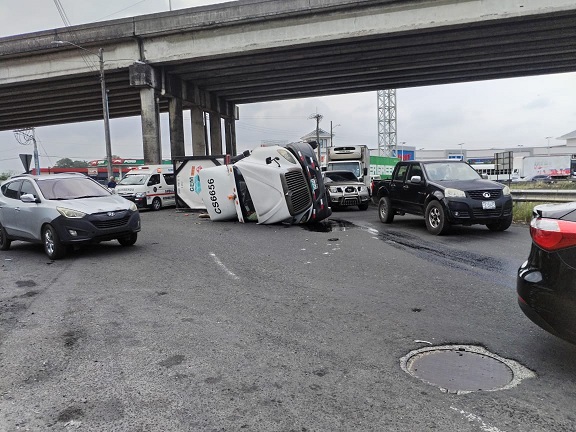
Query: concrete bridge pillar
[[150, 127], [176, 119], [198, 131], [215, 127]]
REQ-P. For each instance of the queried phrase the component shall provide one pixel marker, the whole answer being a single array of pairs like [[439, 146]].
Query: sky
[[481, 115]]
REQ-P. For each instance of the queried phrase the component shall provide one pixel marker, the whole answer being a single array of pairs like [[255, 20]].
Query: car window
[[154, 180], [70, 188], [28, 188], [415, 170], [133, 179], [441, 171], [341, 176], [12, 189], [169, 179], [401, 172]]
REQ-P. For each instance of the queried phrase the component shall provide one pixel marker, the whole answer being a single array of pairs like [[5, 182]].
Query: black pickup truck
[[446, 193]]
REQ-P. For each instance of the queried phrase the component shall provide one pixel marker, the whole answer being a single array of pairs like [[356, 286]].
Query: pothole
[[464, 369]]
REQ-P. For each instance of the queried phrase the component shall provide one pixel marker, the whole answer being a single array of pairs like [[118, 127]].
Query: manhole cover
[[464, 369]]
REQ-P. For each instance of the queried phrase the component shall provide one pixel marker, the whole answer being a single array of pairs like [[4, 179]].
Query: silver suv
[[63, 210], [344, 189]]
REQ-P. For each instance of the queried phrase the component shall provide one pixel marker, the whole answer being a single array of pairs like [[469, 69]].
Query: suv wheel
[[385, 210], [52, 245], [501, 225], [4, 240], [128, 240], [435, 216], [156, 204]]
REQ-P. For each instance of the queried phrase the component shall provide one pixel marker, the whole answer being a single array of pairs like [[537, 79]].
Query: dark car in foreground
[[546, 282], [345, 189], [446, 193], [64, 210]]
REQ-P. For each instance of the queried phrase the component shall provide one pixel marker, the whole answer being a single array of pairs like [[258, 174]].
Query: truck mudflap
[[307, 158]]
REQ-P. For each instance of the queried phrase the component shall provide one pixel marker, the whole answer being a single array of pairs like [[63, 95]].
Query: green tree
[[69, 163], [4, 176]]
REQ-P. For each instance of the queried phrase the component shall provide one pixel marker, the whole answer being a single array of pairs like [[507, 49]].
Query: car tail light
[[553, 234]]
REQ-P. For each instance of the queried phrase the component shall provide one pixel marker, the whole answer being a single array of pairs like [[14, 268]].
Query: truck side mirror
[[415, 179], [365, 171], [324, 168]]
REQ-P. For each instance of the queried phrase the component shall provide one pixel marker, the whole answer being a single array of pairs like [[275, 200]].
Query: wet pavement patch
[[329, 225], [464, 369]]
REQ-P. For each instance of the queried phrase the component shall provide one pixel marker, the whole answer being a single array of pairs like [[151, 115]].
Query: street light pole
[[548, 138], [105, 114], [105, 110]]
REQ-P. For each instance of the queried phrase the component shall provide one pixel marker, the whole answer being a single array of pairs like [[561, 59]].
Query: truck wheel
[[385, 210], [363, 206], [156, 204], [128, 240], [4, 240], [501, 225], [52, 245], [435, 217]]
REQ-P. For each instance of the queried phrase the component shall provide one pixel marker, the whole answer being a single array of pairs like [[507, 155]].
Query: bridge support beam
[[198, 131], [150, 127], [147, 79], [215, 126], [176, 120]]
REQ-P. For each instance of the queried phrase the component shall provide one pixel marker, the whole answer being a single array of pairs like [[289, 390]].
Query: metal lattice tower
[[387, 139]]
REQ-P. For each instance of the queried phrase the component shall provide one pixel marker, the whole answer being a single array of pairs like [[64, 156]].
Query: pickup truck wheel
[[435, 216], [501, 225], [385, 210], [363, 206]]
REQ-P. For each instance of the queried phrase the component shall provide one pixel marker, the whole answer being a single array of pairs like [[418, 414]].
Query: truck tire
[[435, 217], [385, 210], [501, 225], [156, 204]]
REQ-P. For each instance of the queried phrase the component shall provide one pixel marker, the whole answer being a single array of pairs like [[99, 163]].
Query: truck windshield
[[439, 171], [346, 166]]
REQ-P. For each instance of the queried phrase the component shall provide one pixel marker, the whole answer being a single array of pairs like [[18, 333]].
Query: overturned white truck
[[270, 184]]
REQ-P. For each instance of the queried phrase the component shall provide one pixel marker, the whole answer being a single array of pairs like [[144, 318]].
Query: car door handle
[[17, 208], [406, 187]]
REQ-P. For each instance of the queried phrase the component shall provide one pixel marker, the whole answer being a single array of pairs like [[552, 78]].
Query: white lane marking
[[221, 264], [473, 418]]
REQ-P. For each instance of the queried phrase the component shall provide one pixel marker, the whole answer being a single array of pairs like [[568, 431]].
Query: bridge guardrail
[[543, 195]]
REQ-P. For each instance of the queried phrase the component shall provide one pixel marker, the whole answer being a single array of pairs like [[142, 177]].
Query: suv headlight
[[133, 206], [69, 213], [454, 193], [506, 191]]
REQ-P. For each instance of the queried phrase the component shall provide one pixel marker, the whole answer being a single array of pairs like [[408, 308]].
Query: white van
[[149, 186]]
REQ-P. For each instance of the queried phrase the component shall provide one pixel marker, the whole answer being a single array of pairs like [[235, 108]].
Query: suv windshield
[[134, 179], [70, 188], [438, 171]]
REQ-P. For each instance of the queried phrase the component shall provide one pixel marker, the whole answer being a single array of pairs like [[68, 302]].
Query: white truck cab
[[149, 186], [270, 185]]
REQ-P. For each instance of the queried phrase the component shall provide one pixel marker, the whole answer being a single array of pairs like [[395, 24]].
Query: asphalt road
[[205, 326]]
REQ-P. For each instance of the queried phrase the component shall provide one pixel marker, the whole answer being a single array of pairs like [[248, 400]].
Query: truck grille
[[479, 194], [487, 213], [297, 192]]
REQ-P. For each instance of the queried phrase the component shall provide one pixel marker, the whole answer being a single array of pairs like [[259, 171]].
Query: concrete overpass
[[211, 59]]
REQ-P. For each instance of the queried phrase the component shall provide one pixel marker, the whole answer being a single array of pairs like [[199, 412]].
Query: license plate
[[488, 205]]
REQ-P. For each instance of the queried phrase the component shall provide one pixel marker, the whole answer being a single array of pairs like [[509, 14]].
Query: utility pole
[[24, 137], [318, 117]]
